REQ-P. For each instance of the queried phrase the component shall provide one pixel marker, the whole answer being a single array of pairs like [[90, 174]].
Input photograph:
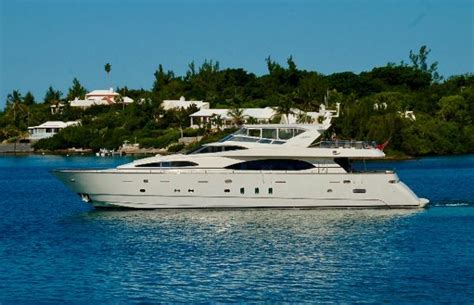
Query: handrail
[[346, 144]]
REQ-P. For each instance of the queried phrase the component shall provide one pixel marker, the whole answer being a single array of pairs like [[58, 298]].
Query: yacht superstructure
[[259, 166]]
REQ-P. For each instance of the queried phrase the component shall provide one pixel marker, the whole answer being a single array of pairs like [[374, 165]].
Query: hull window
[[359, 191], [242, 190], [257, 191], [270, 191]]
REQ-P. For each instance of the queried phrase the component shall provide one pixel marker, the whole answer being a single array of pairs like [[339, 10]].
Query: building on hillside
[[57, 108], [100, 97], [323, 116], [408, 115], [263, 116], [48, 129], [182, 103], [205, 116]]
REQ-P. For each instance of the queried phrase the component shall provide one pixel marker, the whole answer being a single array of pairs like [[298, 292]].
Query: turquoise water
[[54, 248]]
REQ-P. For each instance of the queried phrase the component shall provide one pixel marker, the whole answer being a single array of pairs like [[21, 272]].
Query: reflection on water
[[293, 255], [223, 220]]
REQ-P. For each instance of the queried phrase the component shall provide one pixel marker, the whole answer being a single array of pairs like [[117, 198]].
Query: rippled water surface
[[54, 248]]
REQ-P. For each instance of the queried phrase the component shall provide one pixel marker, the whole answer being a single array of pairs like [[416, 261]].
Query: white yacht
[[259, 166]]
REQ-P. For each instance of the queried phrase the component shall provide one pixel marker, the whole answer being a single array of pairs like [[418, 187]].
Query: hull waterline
[[233, 189]]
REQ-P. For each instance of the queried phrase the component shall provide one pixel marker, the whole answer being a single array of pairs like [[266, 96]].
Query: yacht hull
[[174, 189]]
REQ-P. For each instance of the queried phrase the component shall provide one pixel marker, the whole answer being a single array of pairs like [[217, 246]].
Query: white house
[[408, 115], [204, 116], [182, 103], [263, 115], [99, 97], [48, 129]]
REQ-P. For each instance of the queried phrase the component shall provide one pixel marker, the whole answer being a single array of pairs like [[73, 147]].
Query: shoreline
[[150, 152]]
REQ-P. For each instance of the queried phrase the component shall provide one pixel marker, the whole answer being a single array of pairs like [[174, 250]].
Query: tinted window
[[272, 164], [254, 132], [269, 133], [285, 133], [213, 149], [168, 164]]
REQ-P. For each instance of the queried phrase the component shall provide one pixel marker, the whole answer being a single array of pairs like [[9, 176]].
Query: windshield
[[266, 135]]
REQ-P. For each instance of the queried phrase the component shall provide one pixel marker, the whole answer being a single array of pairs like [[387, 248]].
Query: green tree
[[237, 116], [454, 108], [304, 118], [52, 96], [217, 121], [420, 61], [14, 104], [76, 90], [29, 99], [285, 106], [162, 79], [107, 68]]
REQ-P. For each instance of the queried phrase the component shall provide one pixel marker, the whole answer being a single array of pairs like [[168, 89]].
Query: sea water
[[55, 248]]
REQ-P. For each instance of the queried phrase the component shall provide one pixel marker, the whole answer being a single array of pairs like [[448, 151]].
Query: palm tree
[[285, 107], [217, 120], [182, 118], [14, 102], [237, 115], [107, 68], [304, 118], [252, 120]]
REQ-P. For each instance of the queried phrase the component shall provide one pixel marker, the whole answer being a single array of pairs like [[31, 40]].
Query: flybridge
[[264, 135]]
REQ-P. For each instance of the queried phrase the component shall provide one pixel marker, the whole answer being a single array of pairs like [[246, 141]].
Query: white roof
[[87, 102], [98, 97], [258, 113], [127, 100], [182, 103], [211, 112], [109, 92], [55, 124]]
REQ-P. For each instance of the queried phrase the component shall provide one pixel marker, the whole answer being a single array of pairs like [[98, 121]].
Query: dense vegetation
[[444, 109]]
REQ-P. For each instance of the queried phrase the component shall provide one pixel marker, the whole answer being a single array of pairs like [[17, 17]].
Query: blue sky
[[50, 42]]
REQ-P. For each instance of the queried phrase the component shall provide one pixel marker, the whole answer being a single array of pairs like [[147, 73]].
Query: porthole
[[226, 191], [257, 190], [145, 181], [142, 190], [329, 190], [242, 190]]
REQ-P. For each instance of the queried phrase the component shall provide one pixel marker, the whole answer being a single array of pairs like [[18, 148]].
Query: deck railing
[[346, 144]]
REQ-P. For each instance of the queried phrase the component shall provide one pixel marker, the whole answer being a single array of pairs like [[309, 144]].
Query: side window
[[254, 133], [269, 133], [285, 133]]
